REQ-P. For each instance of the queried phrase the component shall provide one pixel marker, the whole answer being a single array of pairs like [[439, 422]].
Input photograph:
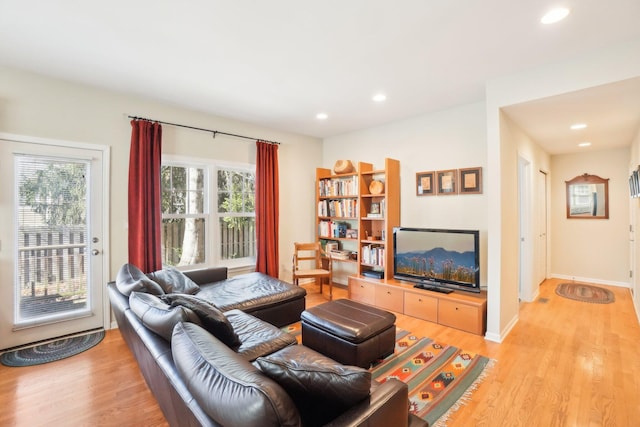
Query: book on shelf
[[343, 208], [340, 254], [332, 229], [373, 255], [347, 186]]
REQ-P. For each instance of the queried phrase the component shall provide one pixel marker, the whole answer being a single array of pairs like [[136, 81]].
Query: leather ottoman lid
[[349, 320]]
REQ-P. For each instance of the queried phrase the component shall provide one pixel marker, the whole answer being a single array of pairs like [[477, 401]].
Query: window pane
[[195, 202], [183, 190], [222, 204], [165, 178], [183, 241], [223, 180], [178, 178], [236, 191], [250, 183], [249, 203], [237, 237], [178, 202], [51, 235]]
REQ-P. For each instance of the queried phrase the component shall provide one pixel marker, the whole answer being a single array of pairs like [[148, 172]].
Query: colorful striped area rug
[[441, 377]]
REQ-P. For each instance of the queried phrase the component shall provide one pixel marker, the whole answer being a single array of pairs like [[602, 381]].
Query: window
[[236, 213], [202, 227], [184, 215]]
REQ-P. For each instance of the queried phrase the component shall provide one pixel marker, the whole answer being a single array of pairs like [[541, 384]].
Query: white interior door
[[526, 243], [51, 240], [541, 229]]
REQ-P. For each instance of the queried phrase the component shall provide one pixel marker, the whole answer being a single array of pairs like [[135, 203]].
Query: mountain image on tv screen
[[438, 264]]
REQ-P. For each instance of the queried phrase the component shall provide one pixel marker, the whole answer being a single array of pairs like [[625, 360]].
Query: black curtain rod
[[214, 132]]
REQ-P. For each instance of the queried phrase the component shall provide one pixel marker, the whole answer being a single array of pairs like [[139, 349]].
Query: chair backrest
[[310, 254]]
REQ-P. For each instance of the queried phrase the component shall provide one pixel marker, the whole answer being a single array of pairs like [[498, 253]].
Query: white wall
[[529, 226], [634, 209], [449, 139], [610, 64], [591, 250], [38, 106]]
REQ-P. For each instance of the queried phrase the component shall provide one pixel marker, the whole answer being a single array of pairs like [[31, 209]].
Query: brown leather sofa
[[200, 381]]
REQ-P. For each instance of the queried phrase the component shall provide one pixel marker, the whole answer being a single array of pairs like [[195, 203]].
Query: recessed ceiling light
[[577, 126], [584, 144], [322, 116], [379, 97], [555, 15]]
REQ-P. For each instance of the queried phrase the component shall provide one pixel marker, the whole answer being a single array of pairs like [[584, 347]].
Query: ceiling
[[279, 63], [611, 113]]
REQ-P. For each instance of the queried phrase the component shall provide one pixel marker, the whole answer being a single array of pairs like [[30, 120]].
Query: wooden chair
[[311, 261]]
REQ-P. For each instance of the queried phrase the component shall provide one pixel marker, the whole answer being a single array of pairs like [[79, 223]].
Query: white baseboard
[[492, 336]]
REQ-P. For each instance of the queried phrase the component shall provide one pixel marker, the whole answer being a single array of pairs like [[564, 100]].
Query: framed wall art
[[470, 180], [446, 181], [425, 185]]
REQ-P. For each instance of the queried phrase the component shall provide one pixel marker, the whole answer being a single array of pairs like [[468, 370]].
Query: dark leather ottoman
[[349, 332]]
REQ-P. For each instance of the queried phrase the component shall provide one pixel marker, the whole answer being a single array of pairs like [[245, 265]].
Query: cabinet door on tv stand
[[460, 316], [362, 291], [421, 306], [390, 298]]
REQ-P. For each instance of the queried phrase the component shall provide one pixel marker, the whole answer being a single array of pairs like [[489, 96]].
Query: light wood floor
[[565, 363]]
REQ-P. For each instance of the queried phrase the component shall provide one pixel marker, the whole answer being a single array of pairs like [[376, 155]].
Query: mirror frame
[[588, 179]]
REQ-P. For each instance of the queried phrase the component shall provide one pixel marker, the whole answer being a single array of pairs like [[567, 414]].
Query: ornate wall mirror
[[588, 197]]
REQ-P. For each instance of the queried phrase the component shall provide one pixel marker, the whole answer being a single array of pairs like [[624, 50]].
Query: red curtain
[[267, 208], [145, 214]]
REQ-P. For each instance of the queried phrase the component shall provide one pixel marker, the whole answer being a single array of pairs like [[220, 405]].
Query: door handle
[[95, 252]]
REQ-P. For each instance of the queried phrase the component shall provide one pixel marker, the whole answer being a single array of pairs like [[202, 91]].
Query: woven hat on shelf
[[343, 166]]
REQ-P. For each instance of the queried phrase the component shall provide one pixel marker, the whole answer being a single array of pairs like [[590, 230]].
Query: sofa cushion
[[173, 280], [257, 337], [130, 278], [212, 319], [249, 291], [228, 388], [321, 387], [157, 315]]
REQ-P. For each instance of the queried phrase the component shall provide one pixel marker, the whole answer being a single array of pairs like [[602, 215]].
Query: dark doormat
[[585, 293], [51, 351]]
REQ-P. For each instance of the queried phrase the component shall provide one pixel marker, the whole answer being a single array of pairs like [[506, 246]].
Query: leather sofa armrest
[[388, 405], [207, 275]]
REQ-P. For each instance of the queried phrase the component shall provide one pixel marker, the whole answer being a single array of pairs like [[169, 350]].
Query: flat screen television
[[437, 259]]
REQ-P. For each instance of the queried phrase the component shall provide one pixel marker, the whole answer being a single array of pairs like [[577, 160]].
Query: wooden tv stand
[[461, 310]]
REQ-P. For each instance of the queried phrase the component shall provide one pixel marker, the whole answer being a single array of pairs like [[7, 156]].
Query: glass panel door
[[51, 237], [52, 230]]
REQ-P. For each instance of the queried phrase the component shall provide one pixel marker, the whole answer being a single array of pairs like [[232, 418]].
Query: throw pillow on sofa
[[229, 389], [130, 278], [173, 280], [212, 319], [321, 387], [159, 316]]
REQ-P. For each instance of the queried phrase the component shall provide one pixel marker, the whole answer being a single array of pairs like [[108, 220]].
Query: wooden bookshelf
[[355, 218]]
